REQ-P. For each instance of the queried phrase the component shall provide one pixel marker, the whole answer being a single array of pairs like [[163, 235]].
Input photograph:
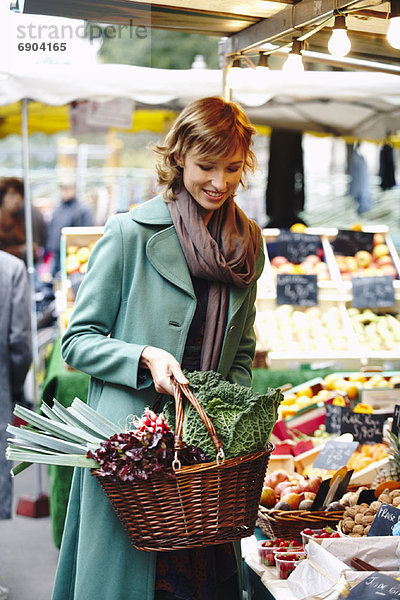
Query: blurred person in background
[[15, 357], [69, 213], [12, 221]]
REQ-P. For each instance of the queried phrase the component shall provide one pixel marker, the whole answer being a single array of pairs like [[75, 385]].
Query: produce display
[[77, 258], [357, 519], [76, 246], [311, 265], [376, 331], [368, 264], [289, 491], [295, 330]]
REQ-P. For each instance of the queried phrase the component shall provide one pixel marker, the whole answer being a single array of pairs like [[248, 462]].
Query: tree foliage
[[156, 48]]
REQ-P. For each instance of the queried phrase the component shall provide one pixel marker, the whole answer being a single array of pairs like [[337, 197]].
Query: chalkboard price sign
[[333, 417], [396, 420], [296, 246], [334, 455], [366, 428], [373, 292], [376, 586], [300, 290], [385, 519], [348, 242]]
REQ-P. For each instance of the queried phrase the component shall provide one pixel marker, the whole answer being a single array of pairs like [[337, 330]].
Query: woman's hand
[[162, 366]]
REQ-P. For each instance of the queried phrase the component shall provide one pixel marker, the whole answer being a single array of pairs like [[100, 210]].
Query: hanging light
[[339, 44], [234, 73], [294, 61], [393, 33]]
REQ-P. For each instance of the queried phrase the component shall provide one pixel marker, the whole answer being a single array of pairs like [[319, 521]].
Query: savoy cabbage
[[242, 418]]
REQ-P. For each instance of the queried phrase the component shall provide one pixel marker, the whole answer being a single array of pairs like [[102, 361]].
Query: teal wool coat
[[137, 292]]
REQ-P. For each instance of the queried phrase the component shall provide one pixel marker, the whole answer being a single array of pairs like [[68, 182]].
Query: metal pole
[[30, 264]]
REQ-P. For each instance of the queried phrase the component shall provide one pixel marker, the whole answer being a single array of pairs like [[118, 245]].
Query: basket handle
[[180, 388]]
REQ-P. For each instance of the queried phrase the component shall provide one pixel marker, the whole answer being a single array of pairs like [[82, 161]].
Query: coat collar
[[152, 212], [164, 249]]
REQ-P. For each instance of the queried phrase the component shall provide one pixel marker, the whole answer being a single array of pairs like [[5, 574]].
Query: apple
[[378, 238], [277, 261], [351, 263], [386, 259], [380, 250], [363, 258], [313, 259], [389, 270]]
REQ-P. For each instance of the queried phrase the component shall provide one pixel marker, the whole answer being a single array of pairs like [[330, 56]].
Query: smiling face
[[210, 181]]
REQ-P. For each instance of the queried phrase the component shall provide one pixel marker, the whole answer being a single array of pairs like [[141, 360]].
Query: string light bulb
[[393, 33], [294, 61], [339, 44], [234, 73]]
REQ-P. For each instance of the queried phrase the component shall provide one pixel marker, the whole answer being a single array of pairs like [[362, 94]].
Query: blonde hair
[[214, 128]]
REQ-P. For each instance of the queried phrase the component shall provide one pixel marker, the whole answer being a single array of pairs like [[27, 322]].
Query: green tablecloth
[[263, 378], [64, 384]]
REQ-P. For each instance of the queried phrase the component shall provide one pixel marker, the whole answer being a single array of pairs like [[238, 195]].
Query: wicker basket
[[207, 503], [288, 524]]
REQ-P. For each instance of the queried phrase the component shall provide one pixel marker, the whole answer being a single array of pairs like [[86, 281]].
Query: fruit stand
[[337, 326]]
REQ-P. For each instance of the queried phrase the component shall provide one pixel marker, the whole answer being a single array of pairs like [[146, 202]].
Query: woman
[[170, 285], [15, 357], [12, 221]]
